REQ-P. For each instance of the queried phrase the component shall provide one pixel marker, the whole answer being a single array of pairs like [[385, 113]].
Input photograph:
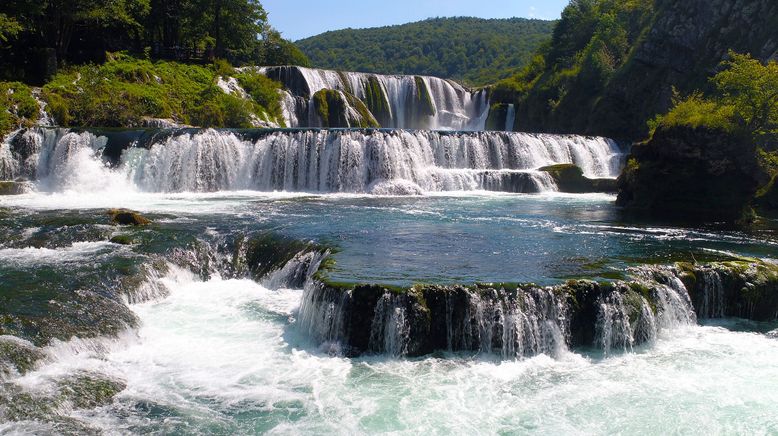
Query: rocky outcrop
[[699, 175], [14, 188], [682, 48], [742, 289], [569, 178], [339, 109], [516, 320]]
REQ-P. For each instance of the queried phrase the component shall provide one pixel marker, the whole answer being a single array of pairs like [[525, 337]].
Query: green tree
[[9, 28], [751, 88]]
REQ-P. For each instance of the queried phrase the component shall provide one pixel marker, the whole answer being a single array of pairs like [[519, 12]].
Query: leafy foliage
[[124, 91], [35, 33], [745, 99], [565, 79], [17, 106], [473, 50]]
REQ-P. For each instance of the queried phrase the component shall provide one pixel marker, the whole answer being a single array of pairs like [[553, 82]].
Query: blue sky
[[297, 19]]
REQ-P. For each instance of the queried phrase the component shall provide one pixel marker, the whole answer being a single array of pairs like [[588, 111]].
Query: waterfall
[[622, 324], [295, 273], [510, 118], [401, 102], [322, 316], [357, 161], [711, 302], [531, 323], [390, 330]]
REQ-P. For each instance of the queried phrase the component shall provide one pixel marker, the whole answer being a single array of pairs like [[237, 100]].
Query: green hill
[[473, 50]]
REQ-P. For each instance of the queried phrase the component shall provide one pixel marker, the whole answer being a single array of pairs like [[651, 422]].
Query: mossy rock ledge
[[570, 178], [125, 217], [467, 318]]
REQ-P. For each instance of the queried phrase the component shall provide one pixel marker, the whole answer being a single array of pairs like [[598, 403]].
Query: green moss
[[423, 98], [376, 101], [87, 391], [12, 188], [124, 91], [123, 239], [332, 107], [17, 354], [18, 107], [126, 217]]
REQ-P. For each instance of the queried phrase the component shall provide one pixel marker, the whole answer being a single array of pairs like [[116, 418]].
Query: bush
[[696, 111], [124, 91], [18, 107]]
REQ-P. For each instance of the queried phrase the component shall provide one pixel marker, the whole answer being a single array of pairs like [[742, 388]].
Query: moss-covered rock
[[122, 239], [498, 113], [377, 101], [127, 217], [86, 390], [18, 355], [423, 102], [570, 178], [338, 109]]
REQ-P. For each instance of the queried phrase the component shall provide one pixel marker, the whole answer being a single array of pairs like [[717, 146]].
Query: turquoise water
[[218, 355], [402, 240]]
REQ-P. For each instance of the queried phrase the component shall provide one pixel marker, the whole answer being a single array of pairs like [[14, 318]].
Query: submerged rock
[[87, 390], [126, 217], [569, 178], [17, 355]]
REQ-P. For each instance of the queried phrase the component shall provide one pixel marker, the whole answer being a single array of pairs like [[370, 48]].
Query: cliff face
[[683, 47], [691, 174], [680, 47]]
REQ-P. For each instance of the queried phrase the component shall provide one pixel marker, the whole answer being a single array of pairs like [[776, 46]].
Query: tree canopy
[[745, 98], [473, 50], [36, 33]]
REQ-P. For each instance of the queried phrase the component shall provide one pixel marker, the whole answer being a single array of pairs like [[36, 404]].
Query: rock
[[18, 355], [517, 320], [767, 197], [126, 217], [697, 175], [87, 390], [13, 188], [122, 239], [339, 109], [569, 178]]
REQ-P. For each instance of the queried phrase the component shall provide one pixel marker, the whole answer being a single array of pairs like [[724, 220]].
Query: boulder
[[126, 217]]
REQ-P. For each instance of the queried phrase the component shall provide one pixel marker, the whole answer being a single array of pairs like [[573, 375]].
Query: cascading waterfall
[[401, 102], [711, 303], [321, 316], [620, 326], [390, 330], [358, 161], [528, 324], [510, 117]]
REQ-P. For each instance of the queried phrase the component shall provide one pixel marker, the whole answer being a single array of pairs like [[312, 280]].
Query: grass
[[124, 91]]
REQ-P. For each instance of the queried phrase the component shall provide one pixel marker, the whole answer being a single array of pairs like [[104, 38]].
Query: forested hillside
[[613, 65], [37, 36], [473, 50]]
